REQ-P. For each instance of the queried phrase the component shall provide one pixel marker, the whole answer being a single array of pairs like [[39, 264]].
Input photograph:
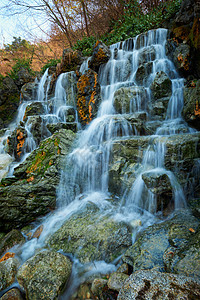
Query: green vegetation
[[85, 45], [132, 23], [51, 63], [20, 63]]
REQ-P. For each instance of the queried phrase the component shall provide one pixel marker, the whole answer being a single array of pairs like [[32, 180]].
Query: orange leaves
[[7, 256], [30, 179], [197, 109], [192, 230]]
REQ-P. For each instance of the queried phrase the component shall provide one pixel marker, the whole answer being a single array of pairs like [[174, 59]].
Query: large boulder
[[143, 72], [88, 96], [13, 294], [172, 245], [14, 237], [101, 54], [151, 284], [16, 145], [91, 237], [8, 270], [44, 275], [71, 60], [35, 108], [28, 91], [129, 99], [191, 108], [161, 86], [32, 192]]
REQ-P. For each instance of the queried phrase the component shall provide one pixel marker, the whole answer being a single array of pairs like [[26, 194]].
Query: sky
[[23, 26]]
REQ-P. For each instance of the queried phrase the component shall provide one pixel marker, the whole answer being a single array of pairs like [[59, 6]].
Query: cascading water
[[87, 171]]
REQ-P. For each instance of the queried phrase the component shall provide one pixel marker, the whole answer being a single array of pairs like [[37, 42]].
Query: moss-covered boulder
[[44, 275], [88, 98], [33, 190], [8, 270], [161, 87], [91, 237], [151, 284], [14, 237], [129, 99], [29, 91], [172, 245], [35, 108], [13, 294], [71, 60], [101, 54], [191, 108]]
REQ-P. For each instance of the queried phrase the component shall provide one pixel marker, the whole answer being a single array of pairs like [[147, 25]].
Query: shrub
[[50, 63]]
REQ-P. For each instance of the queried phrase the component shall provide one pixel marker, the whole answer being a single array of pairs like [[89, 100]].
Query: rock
[[11, 239], [129, 99], [161, 86], [44, 275], [146, 54], [151, 284], [159, 183], [37, 128], [9, 101], [34, 191], [57, 126], [116, 281], [23, 76], [16, 142], [71, 60], [5, 161], [101, 54], [97, 285], [88, 96], [38, 232], [35, 108], [8, 270], [143, 72], [167, 246], [191, 108], [182, 153], [29, 91], [91, 238], [181, 58], [186, 13], [13, 294]]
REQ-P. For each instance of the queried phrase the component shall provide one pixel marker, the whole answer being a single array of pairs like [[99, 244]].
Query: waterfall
[[86, 174]]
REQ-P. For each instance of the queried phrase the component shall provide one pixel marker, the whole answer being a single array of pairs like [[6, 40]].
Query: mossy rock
[[33, 192], [44, 275], [91, 237]]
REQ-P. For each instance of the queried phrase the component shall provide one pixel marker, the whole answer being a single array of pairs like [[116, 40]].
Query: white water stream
[[90, 159]]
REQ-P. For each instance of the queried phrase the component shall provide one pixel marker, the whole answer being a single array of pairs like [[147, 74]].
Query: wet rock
[[90, 237], [151, 284], [101, 54], [191, 108], [143, 72], [181, 58], [29, 91], [7, 256], [11, 239], [166, 246], [5, 161], [44, 275], [9, 101], [98, 285], [71, 60], [159, 184], [159, 108], [8, 270], [38, 232], [88, 96], [69, 126], [34, 191], [129, 99], [38, 130], [116, 281], [147, 54], [161, 86], [35, 108], [16, 142], [13, 294]]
